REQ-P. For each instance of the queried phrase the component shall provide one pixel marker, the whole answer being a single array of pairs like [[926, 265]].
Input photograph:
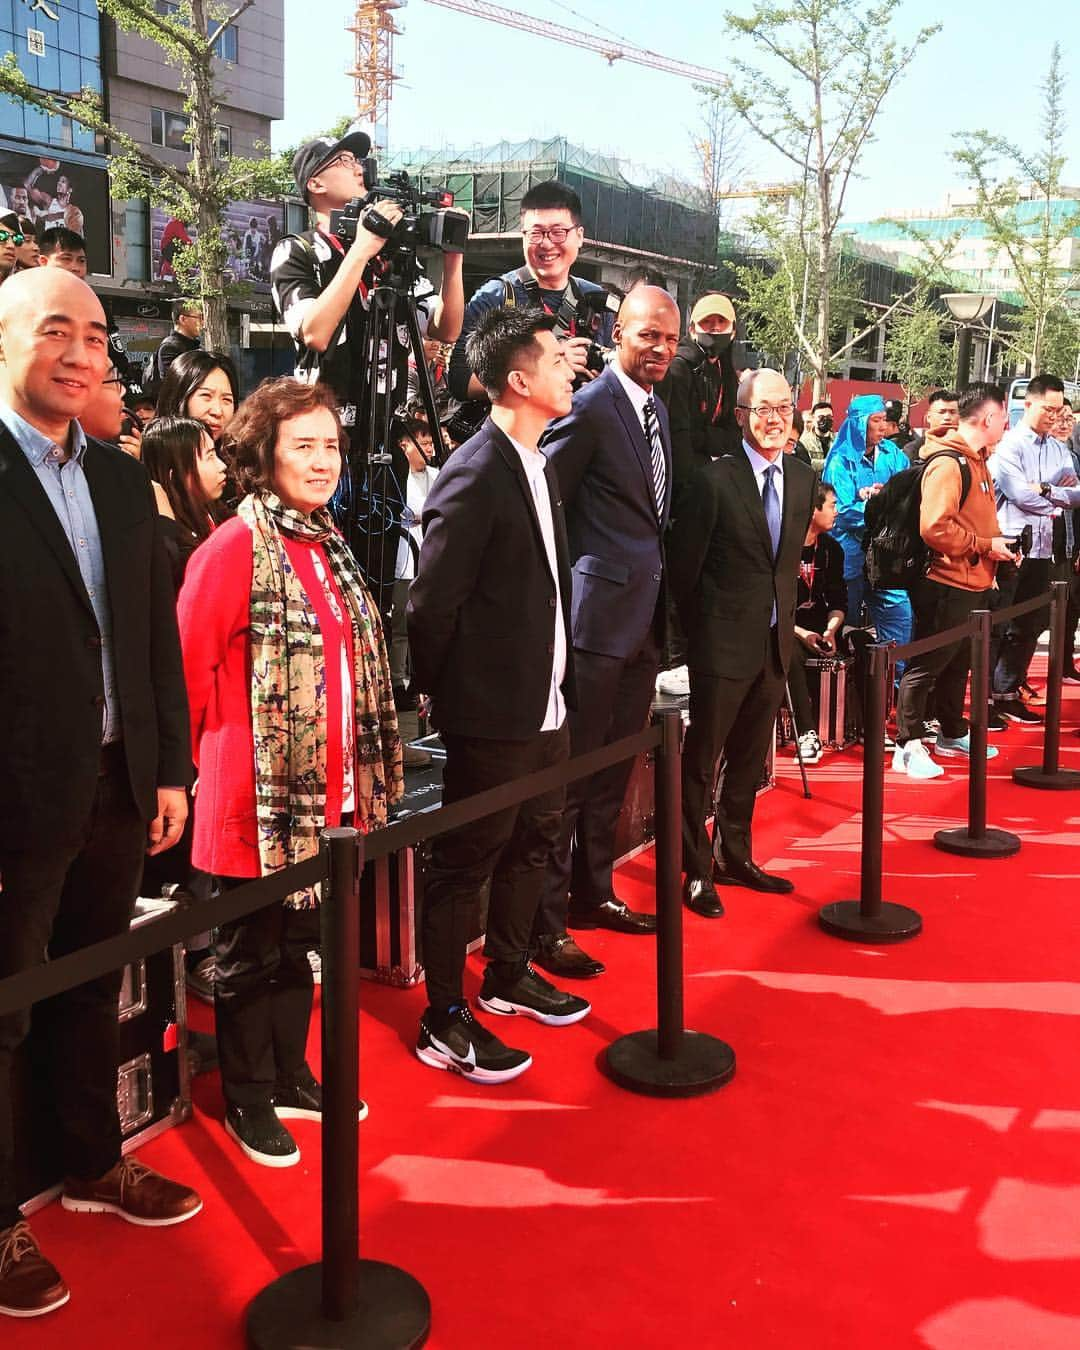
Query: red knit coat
[[213, 613]]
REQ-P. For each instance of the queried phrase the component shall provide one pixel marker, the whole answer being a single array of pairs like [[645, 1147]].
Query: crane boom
[[610, 48]]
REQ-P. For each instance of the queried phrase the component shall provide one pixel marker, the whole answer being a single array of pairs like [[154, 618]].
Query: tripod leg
[[798, 747]]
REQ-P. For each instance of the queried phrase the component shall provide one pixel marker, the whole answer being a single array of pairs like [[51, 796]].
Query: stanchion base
[[894, 923], [993, 843], [702, 1065], [394, 1312], [1037, 777]]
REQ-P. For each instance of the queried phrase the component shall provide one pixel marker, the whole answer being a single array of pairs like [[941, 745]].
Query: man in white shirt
[[488, 620]]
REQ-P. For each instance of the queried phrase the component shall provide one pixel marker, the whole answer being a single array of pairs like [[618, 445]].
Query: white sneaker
[[810, 748], [675, 683], [914, 760]]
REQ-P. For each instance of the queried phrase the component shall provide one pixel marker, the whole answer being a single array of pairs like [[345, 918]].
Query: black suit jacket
[[616, 536], [481, 610], [721, 567], [51, 688]]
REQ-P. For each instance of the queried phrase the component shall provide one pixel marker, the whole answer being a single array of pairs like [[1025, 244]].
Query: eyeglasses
[[114, 379], [346, 158], [765, 410], [17, 239], [556, 233]]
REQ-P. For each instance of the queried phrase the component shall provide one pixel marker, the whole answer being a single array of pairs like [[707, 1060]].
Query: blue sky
[[468, 81]]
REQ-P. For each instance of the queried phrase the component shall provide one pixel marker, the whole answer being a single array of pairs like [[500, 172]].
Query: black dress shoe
[[750, 875], [1071, 675], [562, 956], [699, 894], [613, 914]]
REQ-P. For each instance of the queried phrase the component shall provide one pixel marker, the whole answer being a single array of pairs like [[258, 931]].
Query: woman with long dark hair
[[189, 479], [202, 385]]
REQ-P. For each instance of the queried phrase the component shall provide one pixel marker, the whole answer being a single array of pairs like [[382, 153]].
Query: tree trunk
[[206, 185]]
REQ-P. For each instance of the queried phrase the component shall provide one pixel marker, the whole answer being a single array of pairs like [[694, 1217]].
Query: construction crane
[[373, 73], [611, 49]]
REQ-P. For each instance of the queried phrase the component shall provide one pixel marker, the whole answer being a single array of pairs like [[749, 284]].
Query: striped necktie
[[656, 451]]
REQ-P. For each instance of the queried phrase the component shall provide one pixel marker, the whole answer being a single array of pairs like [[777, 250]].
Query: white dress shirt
[[533, 462], [634, 393]]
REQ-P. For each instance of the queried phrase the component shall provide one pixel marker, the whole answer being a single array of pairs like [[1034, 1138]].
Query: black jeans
[[53, 903], [1011, 653], [263, 989], [734, 717], [510, 849], [942, 672], [613, 700]]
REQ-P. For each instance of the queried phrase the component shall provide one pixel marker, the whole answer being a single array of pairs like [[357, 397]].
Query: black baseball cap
[[312, 155]]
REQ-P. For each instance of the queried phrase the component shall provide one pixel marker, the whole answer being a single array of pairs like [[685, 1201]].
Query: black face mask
[[713, 344], [824, 425]]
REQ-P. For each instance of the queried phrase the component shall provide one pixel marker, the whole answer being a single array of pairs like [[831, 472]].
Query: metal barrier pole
[[342, 1302], [670, 1061], [1048, 775], [870, 919], [978, 840]]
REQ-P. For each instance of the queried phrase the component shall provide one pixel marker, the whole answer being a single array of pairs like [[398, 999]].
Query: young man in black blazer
[[733, 558], [94, 745], [489, 632]]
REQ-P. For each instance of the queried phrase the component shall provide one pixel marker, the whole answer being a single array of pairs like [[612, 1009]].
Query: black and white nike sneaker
[[530, 995], [457, 1042]]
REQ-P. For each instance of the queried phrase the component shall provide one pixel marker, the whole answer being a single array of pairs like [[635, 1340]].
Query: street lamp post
[[966, 309]]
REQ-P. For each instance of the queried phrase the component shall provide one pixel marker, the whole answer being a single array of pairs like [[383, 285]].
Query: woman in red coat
[[294, 729]]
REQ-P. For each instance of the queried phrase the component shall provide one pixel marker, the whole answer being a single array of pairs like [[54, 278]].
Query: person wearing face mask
[[817, 433], [699, 391]]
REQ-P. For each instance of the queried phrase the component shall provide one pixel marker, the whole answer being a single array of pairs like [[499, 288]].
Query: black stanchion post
[[1048, 775], [869, 919], [342, 1302], [670, 1061], [978, 840]]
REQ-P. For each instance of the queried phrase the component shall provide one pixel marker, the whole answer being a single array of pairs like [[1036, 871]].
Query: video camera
[[429, 219], [592, 306]]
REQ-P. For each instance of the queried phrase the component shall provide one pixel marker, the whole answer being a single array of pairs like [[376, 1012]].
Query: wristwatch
[[1045, 489]]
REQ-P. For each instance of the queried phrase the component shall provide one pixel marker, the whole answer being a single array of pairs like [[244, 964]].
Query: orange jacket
[[958, 537]]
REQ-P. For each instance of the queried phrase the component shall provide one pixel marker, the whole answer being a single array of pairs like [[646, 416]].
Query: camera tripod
[[371, 506]]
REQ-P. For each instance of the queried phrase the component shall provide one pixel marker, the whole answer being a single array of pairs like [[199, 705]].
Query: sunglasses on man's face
[[17, 239]]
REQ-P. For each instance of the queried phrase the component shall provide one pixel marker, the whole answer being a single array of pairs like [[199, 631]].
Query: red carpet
[[894, 1165]]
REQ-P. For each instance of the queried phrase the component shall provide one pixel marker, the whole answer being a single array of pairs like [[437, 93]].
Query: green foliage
[[823, 69], [1026, 229], [199, 191], [916, 354]]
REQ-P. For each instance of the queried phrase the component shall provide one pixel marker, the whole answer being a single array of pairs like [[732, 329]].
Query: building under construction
[[665, 225]]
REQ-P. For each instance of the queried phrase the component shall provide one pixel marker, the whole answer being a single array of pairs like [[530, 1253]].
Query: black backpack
[[896, 556]]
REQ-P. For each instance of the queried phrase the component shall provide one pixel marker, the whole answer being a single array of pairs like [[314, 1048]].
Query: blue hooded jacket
[[847, 469]]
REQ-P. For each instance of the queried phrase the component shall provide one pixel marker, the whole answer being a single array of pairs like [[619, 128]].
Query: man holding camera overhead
[[321, 283]]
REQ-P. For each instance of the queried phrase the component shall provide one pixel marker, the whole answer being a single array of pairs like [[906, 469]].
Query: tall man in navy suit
[[612, 454]]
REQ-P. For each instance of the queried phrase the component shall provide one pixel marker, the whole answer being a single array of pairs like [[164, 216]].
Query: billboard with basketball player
[[51, 191]]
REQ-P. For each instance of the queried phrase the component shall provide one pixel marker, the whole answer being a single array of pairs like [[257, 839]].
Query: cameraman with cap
[[552, 236], [321, 285], [699, 390]]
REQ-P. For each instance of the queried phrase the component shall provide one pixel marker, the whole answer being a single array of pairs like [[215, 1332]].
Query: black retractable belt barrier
[[869, 919], [670, 1061], [341, 1302], [1048, 775], [978, 840]]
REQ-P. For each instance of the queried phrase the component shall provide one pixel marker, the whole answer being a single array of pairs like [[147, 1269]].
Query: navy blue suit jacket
[[604, 465]]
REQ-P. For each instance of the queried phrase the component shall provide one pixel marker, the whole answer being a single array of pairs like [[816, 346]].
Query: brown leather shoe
[[29, 1284], [136, 1193]]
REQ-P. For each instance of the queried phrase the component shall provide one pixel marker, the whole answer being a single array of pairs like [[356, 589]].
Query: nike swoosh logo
[[466, 1065]]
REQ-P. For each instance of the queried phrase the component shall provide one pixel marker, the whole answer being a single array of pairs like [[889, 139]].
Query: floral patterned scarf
[[288, 692]]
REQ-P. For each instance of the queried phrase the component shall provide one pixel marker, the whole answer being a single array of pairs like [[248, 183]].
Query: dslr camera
[[429, 219], [592, 306]]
